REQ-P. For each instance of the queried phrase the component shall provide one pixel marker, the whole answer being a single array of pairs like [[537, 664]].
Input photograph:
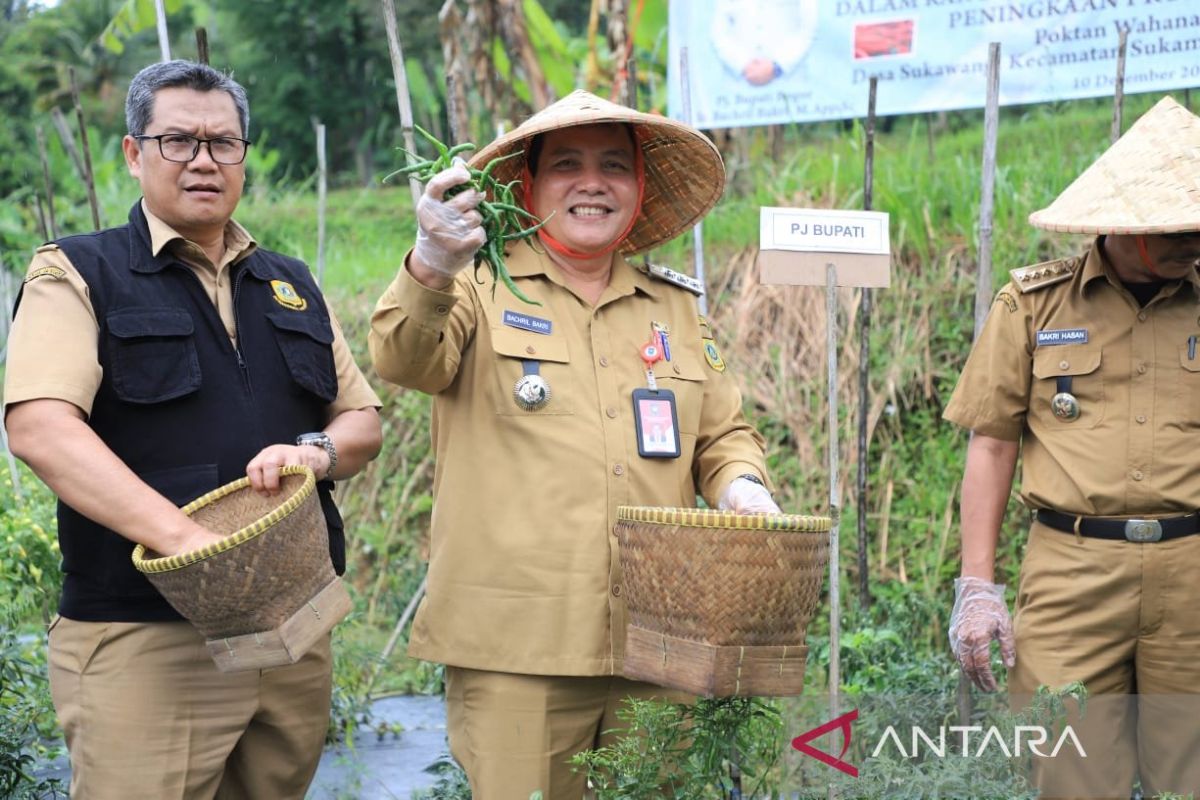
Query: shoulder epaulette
[[677, 278], [1038, 276], [48, 248]]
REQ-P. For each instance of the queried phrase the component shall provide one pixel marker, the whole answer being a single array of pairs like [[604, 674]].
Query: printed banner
[[761, 62]]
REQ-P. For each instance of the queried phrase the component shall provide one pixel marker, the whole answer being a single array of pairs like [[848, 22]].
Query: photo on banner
[[765, 62]]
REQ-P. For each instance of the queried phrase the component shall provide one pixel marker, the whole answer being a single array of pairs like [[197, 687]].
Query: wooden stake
[[835, 495], [87, 153], [41, 217], [698, 228], [164, 42], [51, 232], [991, 119], [202, 45], [1119, 91], [321, 192], [68, 141], [864, 358], [403, 101]]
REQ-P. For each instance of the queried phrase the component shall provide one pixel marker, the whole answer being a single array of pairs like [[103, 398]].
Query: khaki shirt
[[524, 574], [53, 349], [1133, 449]]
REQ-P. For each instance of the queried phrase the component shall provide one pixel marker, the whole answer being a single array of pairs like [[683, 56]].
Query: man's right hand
[[980, 615], [449, 231], [194, 537]]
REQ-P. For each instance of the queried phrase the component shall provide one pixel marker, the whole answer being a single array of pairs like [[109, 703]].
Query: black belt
[[1133, 530]]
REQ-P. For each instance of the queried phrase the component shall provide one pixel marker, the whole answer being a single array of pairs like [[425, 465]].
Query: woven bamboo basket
[[719, 603], [265, 593]]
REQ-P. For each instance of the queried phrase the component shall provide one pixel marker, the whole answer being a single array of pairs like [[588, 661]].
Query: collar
[[529, 259], [165, 242], [1096, 265]]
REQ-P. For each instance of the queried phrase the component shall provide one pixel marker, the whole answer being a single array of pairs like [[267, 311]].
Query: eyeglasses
[[182, 148]]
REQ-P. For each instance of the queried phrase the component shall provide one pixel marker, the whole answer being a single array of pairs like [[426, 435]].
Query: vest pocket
[[306, 342], [152, 355]]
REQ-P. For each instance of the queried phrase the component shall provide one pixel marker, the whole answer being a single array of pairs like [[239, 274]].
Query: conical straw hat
[[1147, 182], [684, 171]]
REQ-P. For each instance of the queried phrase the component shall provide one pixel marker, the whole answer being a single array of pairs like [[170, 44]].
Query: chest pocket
[[306, 342], [152, 354], [1082, 365], [1189, 387], [511, 346], [684, 376]]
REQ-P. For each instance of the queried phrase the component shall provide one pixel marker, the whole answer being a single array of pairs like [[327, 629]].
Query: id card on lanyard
[[654, 414]]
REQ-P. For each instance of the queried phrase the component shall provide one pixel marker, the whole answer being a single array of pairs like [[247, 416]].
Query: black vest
[[179, 404]]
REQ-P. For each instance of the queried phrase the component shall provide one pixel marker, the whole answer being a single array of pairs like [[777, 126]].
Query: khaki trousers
[[1124, 619], [147, 715], [516, 734]]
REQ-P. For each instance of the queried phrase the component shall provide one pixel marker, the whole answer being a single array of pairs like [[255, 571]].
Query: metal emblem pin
[[1065, 406], [531, 392]]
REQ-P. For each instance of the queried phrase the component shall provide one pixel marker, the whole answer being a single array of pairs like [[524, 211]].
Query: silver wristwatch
[[320, 440]]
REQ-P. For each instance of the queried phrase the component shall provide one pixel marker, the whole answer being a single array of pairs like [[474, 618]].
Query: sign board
[[796, 244], [765, 62]]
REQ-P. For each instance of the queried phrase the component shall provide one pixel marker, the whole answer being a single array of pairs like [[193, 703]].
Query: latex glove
[[449, 231], [747, 497], [980, 615]]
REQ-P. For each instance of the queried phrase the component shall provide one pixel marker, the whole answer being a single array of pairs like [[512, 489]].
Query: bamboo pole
[[160, 18], [1119, 91], [321, 198], [6, 300], [87, 153], [51, 230], [864, 358], [202, 45], [403, 100], [68, 141], [698, 228], [409, 610], [835, 496]]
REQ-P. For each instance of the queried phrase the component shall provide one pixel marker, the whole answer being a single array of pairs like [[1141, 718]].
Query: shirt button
[[442, 309], [1141, 418], [612, 412], [604, 361], [1063, 364], [618, 469], [676, 368], [1137, 475], [1141, 316], [530, 350], [1141, 369], [616, 590]]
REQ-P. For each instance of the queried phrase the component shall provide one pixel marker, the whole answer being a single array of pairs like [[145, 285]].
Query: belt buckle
[[1143, 530]]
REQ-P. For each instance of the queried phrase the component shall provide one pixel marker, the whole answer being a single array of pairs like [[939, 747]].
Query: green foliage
[[25, 714], [29, 556], [687, 751], [132, 18]]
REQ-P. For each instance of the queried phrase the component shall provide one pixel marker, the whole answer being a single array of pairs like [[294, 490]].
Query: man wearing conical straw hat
[[543, 425], [1090, 366]]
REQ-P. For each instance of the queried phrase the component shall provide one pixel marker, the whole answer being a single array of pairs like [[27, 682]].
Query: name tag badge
[[527, 323], [1063, 336], [656, 422]]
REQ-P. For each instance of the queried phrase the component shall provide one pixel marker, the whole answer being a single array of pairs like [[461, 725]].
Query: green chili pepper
[[501, 215]]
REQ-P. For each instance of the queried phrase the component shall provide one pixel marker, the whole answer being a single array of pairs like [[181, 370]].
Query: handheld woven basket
[[716, 598], [267, 591]]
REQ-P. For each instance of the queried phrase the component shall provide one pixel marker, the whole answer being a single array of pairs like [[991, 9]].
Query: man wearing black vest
[[149, 364]]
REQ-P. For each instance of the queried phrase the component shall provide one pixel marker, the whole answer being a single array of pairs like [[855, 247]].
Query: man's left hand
[[263, 470], [747, 497]]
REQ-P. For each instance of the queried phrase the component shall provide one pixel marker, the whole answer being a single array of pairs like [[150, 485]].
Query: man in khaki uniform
[[1089, 365], [149, 364], [545, 421]]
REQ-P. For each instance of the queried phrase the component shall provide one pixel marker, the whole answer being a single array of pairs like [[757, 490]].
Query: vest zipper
[[237, 332]]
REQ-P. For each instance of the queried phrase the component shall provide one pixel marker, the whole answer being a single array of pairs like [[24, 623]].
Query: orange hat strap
[[1145, 254], [562, 249]]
